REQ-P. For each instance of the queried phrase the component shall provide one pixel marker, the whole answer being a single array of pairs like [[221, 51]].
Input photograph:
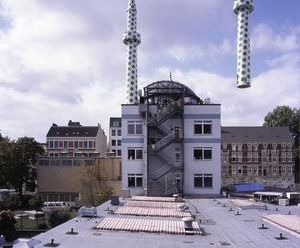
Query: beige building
[[60, 180], [257, 154], [68, 148]]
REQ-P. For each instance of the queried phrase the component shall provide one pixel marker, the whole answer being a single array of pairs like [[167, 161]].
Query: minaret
[[131, 39], [243, 8]]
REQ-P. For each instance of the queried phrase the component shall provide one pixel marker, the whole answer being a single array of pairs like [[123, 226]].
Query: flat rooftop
[[222, 225]]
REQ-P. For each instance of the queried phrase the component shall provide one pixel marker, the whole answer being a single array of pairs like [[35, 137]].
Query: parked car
[[49, 207]]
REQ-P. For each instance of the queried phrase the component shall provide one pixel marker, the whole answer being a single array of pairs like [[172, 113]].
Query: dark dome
[[170, 89]]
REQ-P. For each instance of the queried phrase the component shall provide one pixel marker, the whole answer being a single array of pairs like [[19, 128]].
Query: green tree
[[285, 116], [17, 162]]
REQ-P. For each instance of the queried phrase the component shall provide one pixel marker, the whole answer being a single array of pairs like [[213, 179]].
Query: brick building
[[257, 154]]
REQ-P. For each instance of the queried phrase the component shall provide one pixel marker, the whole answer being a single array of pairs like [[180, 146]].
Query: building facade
[[258, 154], [171, 143], [115, 136], [75, 140], [67, 148]]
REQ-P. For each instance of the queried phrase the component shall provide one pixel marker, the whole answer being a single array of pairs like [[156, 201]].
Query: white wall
[[131, 113], [197, 113]]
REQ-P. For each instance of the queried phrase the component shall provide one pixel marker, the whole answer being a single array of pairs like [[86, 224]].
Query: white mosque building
[[171, 139]]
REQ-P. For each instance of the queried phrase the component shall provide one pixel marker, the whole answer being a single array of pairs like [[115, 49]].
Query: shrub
[[59, 217], [42, 226], [12, 202], [35, 202]]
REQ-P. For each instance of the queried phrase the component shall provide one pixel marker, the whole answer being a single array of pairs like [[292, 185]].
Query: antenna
[[171, 76]]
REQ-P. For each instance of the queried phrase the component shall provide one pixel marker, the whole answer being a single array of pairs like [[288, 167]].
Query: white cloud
[[265, 37], [184, 53], [62, 60]]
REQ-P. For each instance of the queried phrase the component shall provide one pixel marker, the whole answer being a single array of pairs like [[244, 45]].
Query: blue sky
[[64, 60]]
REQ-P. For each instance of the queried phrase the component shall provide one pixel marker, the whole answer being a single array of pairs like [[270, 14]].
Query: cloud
[[286, 39], [211, 51], [62, 60]]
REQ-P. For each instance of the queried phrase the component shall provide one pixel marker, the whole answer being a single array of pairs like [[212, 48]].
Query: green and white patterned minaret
[[132, 39], [243, 8]]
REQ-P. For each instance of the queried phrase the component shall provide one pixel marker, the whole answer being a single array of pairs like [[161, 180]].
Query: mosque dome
[[170, 89]]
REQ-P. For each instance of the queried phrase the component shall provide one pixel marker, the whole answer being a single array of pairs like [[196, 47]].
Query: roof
[[73, 131], [255, 133], [169, 88], [115, 122], [221, 226]]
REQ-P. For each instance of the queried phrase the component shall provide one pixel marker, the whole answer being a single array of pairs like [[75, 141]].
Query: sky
[[64, 60]]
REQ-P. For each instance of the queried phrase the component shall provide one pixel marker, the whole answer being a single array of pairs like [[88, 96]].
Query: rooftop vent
[[188, 225], [87, 212]]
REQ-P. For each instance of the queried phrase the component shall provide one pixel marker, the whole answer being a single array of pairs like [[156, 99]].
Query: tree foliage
[[284, 116], [17, 162], [95, 188]]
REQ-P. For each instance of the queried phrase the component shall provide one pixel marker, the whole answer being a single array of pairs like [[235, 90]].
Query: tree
[[95, 188], [284, 116], [17, 162]]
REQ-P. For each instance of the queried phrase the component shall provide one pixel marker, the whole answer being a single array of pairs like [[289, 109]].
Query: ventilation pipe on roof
[[188, 225]]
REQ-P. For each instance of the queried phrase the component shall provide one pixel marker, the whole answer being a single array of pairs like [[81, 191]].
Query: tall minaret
[[243, 8], [131, 39]]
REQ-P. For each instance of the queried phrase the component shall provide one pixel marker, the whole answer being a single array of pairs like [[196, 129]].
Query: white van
[[49, 207]]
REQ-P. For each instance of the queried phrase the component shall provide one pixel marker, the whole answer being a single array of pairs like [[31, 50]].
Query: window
[[119, 143], [76, 144], [113, 151], [203, 180], [233, 157], [90, 144], [113, 142], [240, 147], [65, 144], [274, 146], [135, 180], [134, 127], [203, 127], [119, 153], [233, 147], [113, 132], [177, 154], [116, 123], [255, 157], [289, 157], [202, 153], [255, 147], [135, 153], [283, 146], [56, 144], [119, 132], [249, 147], [80, 144], [283, 157], [61, 144], [229, 170], [85, 144], [240, 157], [289, 146], [70, 143], [51, 144]]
